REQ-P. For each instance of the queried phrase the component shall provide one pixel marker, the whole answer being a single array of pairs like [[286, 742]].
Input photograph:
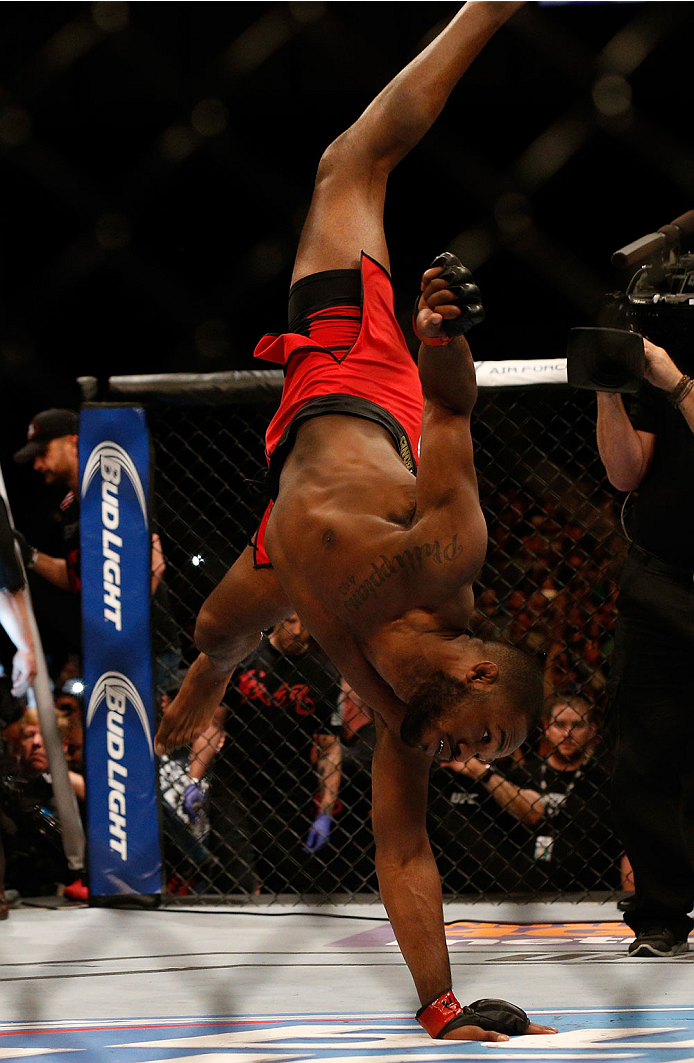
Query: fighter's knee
[[211, 634], [333, 160], [217, 638], [348, 158]]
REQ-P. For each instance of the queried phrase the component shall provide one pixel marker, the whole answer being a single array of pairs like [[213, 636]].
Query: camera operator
[[650, 450]]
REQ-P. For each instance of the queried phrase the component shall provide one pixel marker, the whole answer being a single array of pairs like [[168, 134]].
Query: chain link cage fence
[[291, 743]]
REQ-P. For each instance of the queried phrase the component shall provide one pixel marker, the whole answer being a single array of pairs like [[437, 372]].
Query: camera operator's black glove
[[29, 553]]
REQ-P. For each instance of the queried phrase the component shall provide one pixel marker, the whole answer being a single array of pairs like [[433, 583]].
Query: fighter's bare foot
[[193, 708]]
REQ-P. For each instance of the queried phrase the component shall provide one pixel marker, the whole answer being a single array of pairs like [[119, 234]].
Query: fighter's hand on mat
[[476, 1033], [488, 1019]]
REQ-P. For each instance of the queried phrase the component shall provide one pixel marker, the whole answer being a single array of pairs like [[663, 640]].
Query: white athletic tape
[[521, 371]]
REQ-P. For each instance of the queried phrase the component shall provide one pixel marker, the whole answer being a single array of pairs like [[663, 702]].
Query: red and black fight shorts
[[345, 353]]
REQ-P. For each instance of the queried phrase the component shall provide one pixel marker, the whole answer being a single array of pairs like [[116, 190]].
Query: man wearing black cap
[[51, 448]]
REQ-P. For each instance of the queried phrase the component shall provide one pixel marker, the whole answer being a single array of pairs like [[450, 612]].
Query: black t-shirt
[[481, 847], [11, 578], [573, 847], [475, 843], [277, 704], [662, 516]]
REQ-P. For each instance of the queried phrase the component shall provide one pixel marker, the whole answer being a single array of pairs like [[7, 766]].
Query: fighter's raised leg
[[345, 218], [346, 213], [247, 601]]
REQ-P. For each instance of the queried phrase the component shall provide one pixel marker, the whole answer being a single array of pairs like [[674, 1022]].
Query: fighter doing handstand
[[380, 565]]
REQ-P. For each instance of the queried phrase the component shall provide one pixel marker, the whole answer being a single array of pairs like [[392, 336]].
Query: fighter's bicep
[[446, 473]]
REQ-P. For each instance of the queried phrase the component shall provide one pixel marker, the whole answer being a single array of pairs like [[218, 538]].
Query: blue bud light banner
[[122, 813]]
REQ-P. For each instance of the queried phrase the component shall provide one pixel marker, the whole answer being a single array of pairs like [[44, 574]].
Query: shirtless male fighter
[[378, 565]]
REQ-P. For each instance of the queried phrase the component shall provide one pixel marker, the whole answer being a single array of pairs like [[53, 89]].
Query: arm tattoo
[[409, 561]]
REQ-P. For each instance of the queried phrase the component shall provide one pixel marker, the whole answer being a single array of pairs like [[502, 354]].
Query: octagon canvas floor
[[293, 984]]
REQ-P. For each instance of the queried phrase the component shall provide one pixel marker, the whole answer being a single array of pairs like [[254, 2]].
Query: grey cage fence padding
[[548, 586]]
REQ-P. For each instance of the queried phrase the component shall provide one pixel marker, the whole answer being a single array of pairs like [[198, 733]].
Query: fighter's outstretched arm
[[447, 493], [409, 879]]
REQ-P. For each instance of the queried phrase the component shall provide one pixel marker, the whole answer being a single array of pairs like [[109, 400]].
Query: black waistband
[[318, 291], [351, 405], [663, 568]]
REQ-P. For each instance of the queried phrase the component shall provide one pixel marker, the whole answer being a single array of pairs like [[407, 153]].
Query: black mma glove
[[466, 296], [446, 1013]]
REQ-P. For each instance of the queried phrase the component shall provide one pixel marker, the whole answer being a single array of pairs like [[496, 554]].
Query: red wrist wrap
[[436, 1016], [435, 341]]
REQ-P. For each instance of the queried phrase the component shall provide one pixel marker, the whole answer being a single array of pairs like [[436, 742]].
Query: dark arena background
[[157, 162]]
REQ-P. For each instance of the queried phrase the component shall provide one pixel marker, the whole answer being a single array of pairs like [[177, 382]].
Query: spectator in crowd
[[69, 674], [356, 855], [10, 711], [51, 448], [650, 451], [473, 844], [275, 782], [13, 610], [355, 714], [185, 818], [15, 621], [26, 745], [72, 736], [548, 826], [560, 599], [36, 861], [68, 707]]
